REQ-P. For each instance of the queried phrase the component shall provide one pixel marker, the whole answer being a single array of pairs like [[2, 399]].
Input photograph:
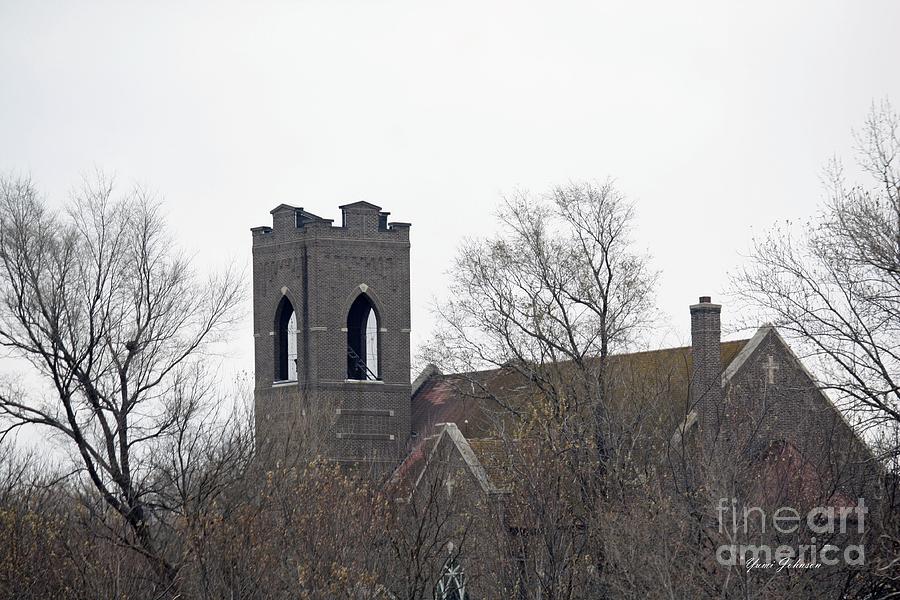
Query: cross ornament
[[450, 484], [770, 368]]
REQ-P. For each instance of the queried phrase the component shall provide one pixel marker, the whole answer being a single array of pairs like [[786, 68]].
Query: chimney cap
[[705, 305]]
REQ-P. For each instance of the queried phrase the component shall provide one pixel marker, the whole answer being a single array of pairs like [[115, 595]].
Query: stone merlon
[[358, 220]]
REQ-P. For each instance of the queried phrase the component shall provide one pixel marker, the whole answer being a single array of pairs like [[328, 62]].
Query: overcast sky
[[715, 119]]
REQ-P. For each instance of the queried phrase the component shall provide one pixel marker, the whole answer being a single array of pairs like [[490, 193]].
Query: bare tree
[[550, 297], [547, 301], [118, 326], [835, 287]]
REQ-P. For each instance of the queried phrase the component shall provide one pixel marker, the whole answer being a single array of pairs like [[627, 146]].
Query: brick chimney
[[706, 379]]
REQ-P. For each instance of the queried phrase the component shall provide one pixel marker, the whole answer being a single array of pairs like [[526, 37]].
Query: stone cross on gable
[[450, 484], [770, 368]]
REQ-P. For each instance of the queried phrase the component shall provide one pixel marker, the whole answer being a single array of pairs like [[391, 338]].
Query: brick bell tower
[[331, 325]]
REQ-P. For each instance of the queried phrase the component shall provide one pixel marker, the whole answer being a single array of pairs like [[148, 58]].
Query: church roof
[[477, 409], [496, 457], [475, 401], [476, 405]]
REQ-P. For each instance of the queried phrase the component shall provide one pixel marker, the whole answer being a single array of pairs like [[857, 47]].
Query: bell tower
[[331, 326]]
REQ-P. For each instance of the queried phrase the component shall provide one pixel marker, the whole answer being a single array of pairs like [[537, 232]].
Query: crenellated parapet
[[359, 221]]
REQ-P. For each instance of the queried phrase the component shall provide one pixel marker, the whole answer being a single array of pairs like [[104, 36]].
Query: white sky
[[715, 118]]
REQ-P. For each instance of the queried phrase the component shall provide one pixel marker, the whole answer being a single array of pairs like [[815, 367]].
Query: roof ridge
[[639, 352]]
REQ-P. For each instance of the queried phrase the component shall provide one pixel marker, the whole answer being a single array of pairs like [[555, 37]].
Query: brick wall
[[321, 268], [773, 398]]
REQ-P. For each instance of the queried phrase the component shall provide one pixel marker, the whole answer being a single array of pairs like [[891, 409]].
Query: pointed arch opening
[[452, 584], [285, 341], [362, 340]]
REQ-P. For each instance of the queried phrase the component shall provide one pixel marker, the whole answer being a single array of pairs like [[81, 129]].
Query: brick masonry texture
[[706, 388], [791, 407], [771, 398], [321, 269]]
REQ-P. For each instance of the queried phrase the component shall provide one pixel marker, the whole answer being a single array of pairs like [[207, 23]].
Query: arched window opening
[[362, 340], [452, 584], [285, 342]]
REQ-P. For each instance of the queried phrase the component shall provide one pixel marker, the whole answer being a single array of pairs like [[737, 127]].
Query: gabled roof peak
[[283, 207], [461, 445], [748, 350], [360, 204]]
